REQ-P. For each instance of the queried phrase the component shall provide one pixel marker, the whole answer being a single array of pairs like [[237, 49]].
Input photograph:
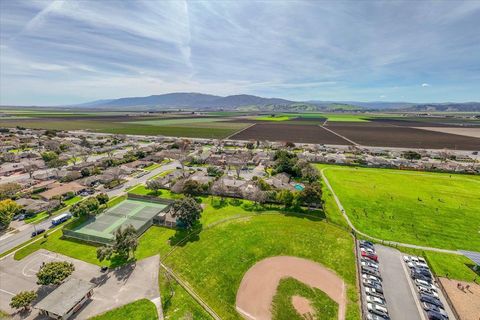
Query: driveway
[[399, 292], [113, 289]]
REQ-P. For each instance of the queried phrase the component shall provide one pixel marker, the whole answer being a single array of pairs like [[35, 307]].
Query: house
[[66, 300], [33, 205], [62, 190]]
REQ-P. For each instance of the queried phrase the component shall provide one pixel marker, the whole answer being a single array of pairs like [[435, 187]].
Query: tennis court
[[138, 213]]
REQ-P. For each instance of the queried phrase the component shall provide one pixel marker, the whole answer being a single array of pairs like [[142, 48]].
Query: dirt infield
[[289, 132], [466, 301], [384, 135], [259, 284]]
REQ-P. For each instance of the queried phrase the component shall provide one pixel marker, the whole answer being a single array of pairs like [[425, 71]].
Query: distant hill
[[446, 107], [244, 102]]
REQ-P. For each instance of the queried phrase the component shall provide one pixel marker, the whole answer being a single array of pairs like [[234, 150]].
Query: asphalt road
[[401, 302], [24, 231]]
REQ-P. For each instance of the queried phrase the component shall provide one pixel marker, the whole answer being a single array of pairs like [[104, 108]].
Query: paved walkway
[[400, 295], [394, 243]]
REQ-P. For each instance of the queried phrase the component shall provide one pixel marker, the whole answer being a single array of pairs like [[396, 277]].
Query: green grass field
[[282, 308], [142, 309], [270, 118], [223, 254], [177, 303], [233, 237], [431, 209]]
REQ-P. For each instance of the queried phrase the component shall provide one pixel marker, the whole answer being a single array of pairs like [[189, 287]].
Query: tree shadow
[[218, 203], [124, 272], [183, 236], [472, 267]]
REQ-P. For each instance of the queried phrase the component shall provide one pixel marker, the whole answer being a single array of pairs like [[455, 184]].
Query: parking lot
[[113, 288], [398, 291]]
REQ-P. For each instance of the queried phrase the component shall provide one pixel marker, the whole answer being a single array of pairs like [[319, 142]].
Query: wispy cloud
[[54, 52]]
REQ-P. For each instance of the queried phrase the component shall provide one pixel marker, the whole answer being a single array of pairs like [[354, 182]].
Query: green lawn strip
[[423, 208], [173, 122], [224, 253], [152, 167], [73, 200], [37, 218], [176, 302], [340, 117], [142, 309], [282, 307]]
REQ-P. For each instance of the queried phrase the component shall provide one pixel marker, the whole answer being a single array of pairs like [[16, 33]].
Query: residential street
[[24, 231]]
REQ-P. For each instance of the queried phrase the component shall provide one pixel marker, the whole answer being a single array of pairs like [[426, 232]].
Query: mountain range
[[244, 102]]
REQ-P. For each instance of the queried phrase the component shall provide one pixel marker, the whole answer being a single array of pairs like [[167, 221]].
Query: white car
[[369, 264], [370, 277], [376, 300], [377, 309], [421, 265], [430, 291], [430, 287], [406, 258], [367, 250]]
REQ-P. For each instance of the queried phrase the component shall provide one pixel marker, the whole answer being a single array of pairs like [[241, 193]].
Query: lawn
[[282, 307], [73, 200], [214, 262], [431, 209], [176, 302], [142, 309], [152, 167], [37, 218], [344, 117]]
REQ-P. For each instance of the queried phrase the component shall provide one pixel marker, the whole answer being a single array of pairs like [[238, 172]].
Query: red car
[[371, 256]]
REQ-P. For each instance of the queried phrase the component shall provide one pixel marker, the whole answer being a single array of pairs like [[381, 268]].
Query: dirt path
[[259, 285]]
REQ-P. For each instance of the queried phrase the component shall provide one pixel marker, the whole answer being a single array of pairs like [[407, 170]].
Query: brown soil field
[[462, 131], [303, 307], [383, 135], [426, 122], [466, 301], [259, 284], [289, 132]]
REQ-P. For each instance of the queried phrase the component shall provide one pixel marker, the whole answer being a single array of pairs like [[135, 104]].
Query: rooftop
[[65, 297]]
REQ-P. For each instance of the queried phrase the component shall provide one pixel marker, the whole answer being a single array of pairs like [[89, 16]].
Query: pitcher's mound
[[258, 286]]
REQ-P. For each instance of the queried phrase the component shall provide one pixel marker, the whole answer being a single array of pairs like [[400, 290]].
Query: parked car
[[373, 292], [427, 291], [371, 316], [21, 217], [377, 309], [376, 300], [370, 256], [369, 250], [424, 272], [431, 307], [424, 283], [420, 276], [430, 299], [37, 232], [371, 271], [369, 263], [373, 284], [370, 277], [432, 315], [366, 243]]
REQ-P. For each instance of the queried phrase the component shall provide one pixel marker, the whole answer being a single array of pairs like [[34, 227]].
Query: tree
[[155, 185], [219, 189], [312, 194], [9, 189], [49, 156], [85, 172], [309, 173], [192, 187], [30, 168], [54, 272], [125, 243], [214, 172], [89, 206], [187, 211], [102, 198], [286, 198], [8, 209], [23, 300]]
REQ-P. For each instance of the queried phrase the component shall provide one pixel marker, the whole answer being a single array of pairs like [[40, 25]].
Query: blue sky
[[60, 52]]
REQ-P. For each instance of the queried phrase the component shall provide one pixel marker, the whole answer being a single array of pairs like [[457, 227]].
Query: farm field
[[287, 132], [382, 134], [430, 209]]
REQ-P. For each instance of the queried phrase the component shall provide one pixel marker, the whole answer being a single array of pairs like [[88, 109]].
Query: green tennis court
[[137, 213]]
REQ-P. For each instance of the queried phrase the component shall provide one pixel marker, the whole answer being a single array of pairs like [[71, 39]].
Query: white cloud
[[426, 85]]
